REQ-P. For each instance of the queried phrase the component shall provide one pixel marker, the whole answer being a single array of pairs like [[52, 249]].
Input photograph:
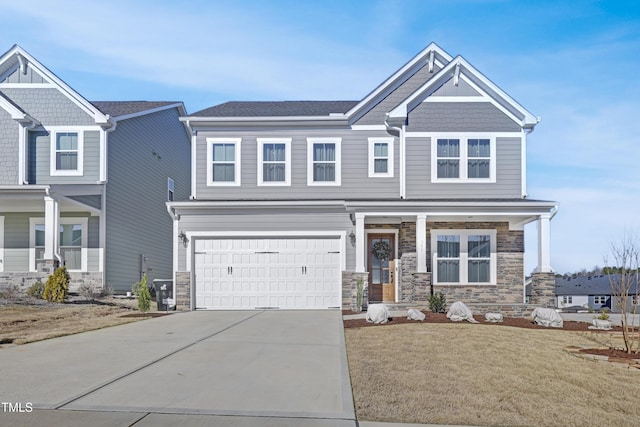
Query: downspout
[[104, 180], [392, 130]]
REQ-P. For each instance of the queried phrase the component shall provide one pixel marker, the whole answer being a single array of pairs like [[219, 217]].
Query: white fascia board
[[215, 119], [420, 57], [178, 105], [258, 203], [16, 113], [74, 96]]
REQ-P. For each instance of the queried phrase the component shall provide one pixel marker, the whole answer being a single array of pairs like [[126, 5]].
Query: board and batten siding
[[29, 76], [136, 215], [49, 106], [9, 134], [280, 222], [39, 160], [508, 173], [355, 182]]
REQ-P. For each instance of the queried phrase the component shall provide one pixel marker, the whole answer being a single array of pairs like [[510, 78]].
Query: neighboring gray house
[[592, 293], [85, 183], [418, 187]]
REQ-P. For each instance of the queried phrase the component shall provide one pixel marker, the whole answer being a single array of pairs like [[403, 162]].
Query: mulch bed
[[442, 318], [611, 353]]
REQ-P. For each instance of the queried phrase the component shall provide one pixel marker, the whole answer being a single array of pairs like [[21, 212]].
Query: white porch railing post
[[360, 243], [421, 243], [544, 244]]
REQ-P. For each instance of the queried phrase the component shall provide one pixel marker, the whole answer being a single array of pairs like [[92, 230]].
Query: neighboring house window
[[463, 159], [600, 299], [567, 299], [274, 161], [66, 153], [72, 240], [635, 300], [464, 256], [380, 157], [323, 161], [223, 161], [170, 189]]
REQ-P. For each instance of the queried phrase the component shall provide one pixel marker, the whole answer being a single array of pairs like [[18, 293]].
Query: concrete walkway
[[240, 368]]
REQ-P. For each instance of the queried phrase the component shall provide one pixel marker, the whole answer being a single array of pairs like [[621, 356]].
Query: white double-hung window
[[323, 161], [66, 153], [463, 158], [380, 157], [223, 161], [72, 241], [464, 256], [274, 161]]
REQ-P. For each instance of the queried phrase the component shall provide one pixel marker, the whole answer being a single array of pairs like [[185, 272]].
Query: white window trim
[[84, 252], [389, 172], [338, 161], [53, 131], [287, 162], [464, 151], [464, 255], [171, 189], [237, 161]]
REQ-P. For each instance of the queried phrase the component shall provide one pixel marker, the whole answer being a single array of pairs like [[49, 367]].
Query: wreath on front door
[[381, 250]]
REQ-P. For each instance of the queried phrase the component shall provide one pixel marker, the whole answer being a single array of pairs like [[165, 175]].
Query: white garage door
[[286, 273]]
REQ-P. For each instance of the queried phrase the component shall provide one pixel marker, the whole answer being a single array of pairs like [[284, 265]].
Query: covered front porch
[[471, 252], [41, 229]]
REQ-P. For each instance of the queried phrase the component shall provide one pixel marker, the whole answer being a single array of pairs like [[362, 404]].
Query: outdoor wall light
[[183, 238], [352, 236]]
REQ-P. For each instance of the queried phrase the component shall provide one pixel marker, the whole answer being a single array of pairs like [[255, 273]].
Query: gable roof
[[276, 109], [585, 285], [15, 111], [17, 56], [461, 68]]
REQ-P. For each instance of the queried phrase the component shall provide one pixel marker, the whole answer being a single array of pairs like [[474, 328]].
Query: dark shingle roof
[[276, 109], [585, 285], [123, 108]]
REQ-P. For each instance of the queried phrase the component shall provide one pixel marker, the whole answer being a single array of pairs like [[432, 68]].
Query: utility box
[[164, 294]]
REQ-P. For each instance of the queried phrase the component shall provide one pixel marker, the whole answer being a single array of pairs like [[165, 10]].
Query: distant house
[[590, 292], [84, 184]]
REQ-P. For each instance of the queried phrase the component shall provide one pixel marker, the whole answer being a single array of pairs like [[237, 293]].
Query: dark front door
[[381, 248]]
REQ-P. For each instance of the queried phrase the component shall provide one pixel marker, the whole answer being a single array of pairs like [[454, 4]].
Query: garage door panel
[[267, 272]]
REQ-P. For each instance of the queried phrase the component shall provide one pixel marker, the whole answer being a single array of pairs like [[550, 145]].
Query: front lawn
[[482, 375]]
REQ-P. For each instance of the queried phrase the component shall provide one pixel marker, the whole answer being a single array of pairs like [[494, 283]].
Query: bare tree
[[625, 254]]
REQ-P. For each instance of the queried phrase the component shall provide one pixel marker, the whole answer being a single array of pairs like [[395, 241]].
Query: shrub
[[11, 292], [438, 303], [144, 296], [36, 290], [603, 316], [57, 286], [88, 291], [106, 291]]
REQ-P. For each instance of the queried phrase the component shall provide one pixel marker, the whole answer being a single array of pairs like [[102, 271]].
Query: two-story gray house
[[419, 187], [83, 183]]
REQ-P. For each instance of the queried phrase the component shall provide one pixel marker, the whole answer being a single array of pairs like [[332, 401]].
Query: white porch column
[[360, 243], [544, 244], [51, 227], [421, 243]]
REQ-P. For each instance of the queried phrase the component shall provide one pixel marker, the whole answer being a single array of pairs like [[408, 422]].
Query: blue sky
[[574, 63]]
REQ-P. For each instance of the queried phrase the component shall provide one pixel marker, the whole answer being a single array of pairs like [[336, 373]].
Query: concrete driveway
[[240, 368]]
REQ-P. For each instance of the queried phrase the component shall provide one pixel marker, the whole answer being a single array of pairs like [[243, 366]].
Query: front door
[[381, 249]]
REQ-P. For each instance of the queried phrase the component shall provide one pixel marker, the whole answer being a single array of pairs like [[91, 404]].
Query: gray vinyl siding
[[462, 89], [16, 239], [376, 115], [39, 155], [29, 77], [307, 221], [9, 133], [508, 173], [136, 215], [49, 106], [459, 117], [355, 182], [94, 201]]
